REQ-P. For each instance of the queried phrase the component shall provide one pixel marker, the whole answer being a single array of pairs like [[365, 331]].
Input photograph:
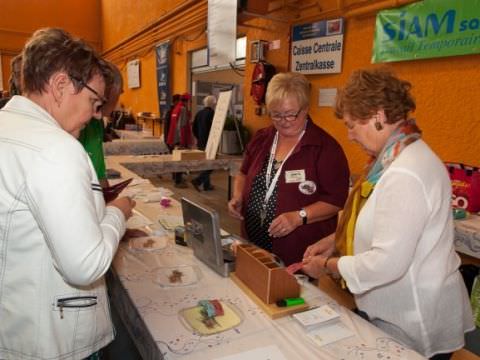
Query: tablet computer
[[202, 233]]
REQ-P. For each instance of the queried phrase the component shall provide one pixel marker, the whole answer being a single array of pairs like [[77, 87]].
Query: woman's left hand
[[284, 224]]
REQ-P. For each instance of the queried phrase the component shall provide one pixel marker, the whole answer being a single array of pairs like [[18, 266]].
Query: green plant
[[230, 126], [230, 123]]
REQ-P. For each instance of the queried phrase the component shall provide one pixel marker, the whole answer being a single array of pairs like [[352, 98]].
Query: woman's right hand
[[125, 204], [324, 247], [235, 208]]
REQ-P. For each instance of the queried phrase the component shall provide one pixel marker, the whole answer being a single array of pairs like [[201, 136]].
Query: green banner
[[427, 29]]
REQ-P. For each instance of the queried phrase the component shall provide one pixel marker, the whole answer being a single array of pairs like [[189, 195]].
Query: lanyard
[[273, 149]]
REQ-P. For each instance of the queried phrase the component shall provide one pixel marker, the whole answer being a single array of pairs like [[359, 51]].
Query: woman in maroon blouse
[[294, 177]]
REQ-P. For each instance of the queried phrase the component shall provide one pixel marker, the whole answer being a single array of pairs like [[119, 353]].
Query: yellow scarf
[[346, 225]]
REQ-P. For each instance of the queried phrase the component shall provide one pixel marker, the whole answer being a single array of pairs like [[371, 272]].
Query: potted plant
[[230, 141]]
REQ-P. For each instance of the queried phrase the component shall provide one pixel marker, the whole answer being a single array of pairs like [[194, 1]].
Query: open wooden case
[[263, 275]]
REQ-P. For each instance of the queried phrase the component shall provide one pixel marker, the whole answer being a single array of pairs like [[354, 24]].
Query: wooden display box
[[258, 270], [187, 154]]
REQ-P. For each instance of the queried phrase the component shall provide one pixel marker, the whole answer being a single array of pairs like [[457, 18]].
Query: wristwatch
[[303, 214]]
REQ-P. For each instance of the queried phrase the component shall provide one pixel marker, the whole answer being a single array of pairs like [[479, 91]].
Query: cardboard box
[[186, 154]]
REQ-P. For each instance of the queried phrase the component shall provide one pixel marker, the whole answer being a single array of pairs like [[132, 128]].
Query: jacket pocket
[[74, 303]]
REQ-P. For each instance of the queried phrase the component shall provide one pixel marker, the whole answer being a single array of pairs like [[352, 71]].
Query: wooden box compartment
[[185, 154], [258, 270]]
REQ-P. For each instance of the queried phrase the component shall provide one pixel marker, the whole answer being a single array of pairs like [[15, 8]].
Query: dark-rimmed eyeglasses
[[287, 117], [103, 100]]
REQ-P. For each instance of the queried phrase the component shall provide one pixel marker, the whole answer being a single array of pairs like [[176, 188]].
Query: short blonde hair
[[286, 85]]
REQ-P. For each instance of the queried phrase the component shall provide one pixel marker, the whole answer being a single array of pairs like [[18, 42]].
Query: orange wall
[[446, 91], [20, 18], [121, 19], [185, 31]]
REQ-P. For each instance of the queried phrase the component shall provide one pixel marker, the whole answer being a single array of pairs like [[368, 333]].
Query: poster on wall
[[427, 29], [317, 47], [133, 74], [162, 52], [1, 74]]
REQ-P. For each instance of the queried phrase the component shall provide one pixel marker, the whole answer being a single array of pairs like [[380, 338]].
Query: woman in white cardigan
[[394, 244], [57, 236]]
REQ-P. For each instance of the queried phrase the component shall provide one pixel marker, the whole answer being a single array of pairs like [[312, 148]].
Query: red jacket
[[180, 129]]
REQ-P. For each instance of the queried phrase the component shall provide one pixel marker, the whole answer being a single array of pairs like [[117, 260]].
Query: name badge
[[294, 176]]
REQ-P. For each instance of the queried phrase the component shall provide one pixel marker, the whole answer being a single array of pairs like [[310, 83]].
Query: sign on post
[[221, 110]]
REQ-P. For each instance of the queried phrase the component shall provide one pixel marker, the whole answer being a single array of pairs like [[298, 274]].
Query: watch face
[[303, 213]]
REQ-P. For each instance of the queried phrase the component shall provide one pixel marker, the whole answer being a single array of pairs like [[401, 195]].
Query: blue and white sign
[[317, 47]]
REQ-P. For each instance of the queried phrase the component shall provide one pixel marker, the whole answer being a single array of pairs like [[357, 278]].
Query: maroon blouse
[[327, 180]]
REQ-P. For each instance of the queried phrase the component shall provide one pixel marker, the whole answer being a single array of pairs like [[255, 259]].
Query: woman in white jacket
[[395, 240], [57, 237]]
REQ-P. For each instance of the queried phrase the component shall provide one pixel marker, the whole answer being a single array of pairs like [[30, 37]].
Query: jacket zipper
[[76, 302]]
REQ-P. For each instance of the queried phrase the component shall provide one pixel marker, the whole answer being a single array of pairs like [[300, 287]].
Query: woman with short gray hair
[[57, 236]]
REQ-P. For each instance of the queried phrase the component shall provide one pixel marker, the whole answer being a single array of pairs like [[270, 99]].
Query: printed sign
[[163, 78], [133, 74], [317, 47], [427, 29], [221, 110]]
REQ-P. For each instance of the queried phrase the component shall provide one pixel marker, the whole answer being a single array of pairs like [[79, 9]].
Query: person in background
[[61, 237], [180, 132], [91, 137], [294, 177], [395, 239], [201, 130], [176, 177], [14, 81], [168, 115]]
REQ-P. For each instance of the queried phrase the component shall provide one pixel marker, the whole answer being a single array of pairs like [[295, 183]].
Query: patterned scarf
[[404, 135]]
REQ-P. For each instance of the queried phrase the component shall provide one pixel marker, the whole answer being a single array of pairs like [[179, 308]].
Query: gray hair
[[209, 101], [50, 50]]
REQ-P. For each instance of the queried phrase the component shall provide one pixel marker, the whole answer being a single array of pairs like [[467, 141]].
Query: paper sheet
[[329, 333], [271, 352]]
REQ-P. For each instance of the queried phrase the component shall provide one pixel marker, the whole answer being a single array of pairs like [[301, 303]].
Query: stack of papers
[[317, 316], [323, 325]]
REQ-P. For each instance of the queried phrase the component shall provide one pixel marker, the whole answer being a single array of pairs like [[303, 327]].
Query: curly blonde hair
[[368, 91]]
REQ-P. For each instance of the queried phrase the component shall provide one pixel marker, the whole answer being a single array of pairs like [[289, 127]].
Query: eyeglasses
[[103, 100], [350, 125], [287, 117]]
